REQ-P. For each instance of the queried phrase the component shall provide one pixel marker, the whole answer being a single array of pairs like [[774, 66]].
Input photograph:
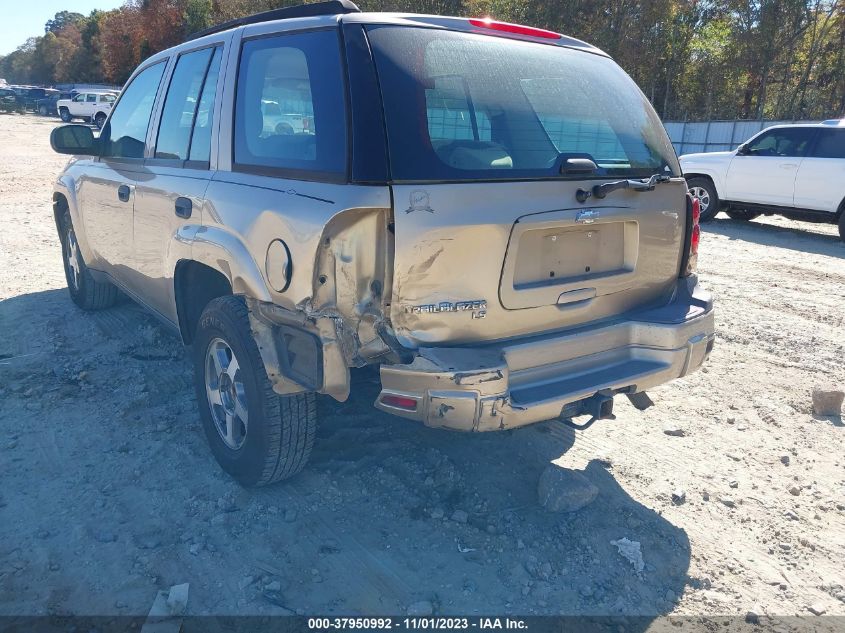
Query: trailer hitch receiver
[[598, 406]]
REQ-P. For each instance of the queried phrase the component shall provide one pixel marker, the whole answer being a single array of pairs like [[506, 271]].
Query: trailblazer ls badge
[[477, 308]]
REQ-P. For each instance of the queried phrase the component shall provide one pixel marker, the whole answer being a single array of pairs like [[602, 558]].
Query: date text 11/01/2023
[[417, 623]]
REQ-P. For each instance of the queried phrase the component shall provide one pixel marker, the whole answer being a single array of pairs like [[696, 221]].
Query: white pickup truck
[[797, 171], [92, 105]]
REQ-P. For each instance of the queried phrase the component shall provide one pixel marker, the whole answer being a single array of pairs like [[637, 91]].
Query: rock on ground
[[564, 490], [828, 401]]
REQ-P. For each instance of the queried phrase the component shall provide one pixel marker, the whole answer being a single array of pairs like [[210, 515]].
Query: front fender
[[224, 252], [716, 174], [65, 187]]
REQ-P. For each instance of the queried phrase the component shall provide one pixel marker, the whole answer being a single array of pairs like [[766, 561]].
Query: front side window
[[788, 141], [498, 108], [830, 144], [91, 98], [126, 131], [79, 98], [290, 111], [180, 105]]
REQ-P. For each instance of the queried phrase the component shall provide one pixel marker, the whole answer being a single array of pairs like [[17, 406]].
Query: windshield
[[460, 106]]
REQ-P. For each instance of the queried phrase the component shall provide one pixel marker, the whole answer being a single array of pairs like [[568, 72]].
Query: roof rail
[[329, 7]]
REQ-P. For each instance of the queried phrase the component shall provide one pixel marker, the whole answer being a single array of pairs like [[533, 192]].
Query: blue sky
[[21, 19]]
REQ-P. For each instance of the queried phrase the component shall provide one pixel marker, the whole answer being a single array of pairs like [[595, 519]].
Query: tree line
[[694, 59]]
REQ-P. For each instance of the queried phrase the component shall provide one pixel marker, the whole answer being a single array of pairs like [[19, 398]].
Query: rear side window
[[127, 128], [182, 104], [290, 109], [91, 98], [830, 144], [200, 148], [495, 108]]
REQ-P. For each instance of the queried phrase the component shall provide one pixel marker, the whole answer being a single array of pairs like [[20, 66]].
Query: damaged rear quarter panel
[[340, 253]]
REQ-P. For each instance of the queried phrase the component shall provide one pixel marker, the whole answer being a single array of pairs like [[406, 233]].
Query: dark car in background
[[8, 100], [47, 105], [28, 96]]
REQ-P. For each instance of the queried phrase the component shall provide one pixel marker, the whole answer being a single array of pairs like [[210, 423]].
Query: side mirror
[[742, 150], [74, 139]]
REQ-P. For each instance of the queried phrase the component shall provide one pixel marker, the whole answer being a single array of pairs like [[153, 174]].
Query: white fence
[[714, 136]]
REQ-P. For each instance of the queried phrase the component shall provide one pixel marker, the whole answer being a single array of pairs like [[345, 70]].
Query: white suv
[[797, 171], [93, 106]]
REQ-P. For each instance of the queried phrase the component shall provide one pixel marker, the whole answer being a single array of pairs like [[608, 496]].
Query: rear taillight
[[693, 236], [516, 29], [399, 402]]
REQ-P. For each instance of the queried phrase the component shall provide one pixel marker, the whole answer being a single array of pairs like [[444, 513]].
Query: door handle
[[183, 207], [123, 192], [788, 165]]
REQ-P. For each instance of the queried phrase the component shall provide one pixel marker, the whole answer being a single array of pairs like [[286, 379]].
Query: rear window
[[461, 106]]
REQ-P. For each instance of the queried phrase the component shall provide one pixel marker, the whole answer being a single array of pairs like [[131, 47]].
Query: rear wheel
[[257, 436], [741, 214], [65, 114], [703, 189], [86, 292], [842, 226]]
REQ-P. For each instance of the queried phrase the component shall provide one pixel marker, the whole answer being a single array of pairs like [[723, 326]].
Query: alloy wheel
[[226, 394], [703, 197]]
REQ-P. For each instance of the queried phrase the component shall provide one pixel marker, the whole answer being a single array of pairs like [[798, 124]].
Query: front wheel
[[703, 189], [741, 214], [65, 114], [86, 292], [257, 436]]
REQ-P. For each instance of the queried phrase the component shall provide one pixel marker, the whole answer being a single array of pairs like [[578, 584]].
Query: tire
[[64, 113], [741, 214], [85, 291], [43, 111], [274, 439], [842, 226], [705, 191], [99, 120]]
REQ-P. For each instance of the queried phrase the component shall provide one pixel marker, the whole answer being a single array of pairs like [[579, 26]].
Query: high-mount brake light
[[516, 29]]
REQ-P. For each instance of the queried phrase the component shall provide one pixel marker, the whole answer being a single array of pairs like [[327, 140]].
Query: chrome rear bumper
[[521, 382]]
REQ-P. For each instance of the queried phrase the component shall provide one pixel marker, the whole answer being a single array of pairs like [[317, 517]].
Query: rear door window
[[830, 144], [290, 108], [200, 147], [180, 104]]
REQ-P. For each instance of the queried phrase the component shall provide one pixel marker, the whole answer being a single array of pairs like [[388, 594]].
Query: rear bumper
[[521, 382]]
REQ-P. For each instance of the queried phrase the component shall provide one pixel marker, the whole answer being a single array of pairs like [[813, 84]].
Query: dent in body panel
[[340, 251]]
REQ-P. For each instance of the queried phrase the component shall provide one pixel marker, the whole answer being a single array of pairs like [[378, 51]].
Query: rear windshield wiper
[[601, 191]]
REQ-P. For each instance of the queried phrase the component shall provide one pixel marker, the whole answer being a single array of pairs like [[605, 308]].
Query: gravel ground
[[109, 494]]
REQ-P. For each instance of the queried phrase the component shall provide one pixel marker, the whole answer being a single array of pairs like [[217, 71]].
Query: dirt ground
[[108, 492]]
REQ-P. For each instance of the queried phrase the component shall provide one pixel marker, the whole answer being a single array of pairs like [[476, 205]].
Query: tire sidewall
[[713, 209], [245, 464], [65, 115], [76, 294]]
